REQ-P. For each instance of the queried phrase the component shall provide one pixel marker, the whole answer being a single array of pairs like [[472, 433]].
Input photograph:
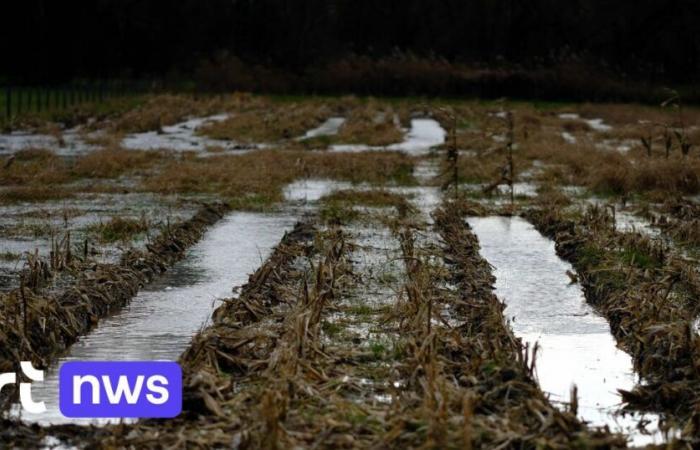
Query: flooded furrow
[[545, 306], [161, 320]]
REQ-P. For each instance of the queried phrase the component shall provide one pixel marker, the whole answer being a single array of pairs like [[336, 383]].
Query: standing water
[[576, 346], [328, 128], [423, 136], [160, 322]]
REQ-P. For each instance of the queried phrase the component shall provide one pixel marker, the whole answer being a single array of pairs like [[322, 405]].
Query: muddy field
[[360, 273]]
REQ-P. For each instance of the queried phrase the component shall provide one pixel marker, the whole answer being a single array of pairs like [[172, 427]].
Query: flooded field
[[547, 309], [161, 320], [359, 273]]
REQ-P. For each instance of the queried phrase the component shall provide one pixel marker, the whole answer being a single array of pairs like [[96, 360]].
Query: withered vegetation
[[281, 365], [371, 124], [37, 325], [649, 296], [270, 123], [255, 180], [367, 327]]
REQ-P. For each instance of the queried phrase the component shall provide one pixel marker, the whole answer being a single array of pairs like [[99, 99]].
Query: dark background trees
[[44, 40]]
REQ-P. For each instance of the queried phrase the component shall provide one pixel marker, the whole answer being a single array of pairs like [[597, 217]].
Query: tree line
[[651, 40]]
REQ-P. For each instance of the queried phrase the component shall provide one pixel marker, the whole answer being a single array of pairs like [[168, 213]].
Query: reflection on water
[[576, 346], [423, 135], [183, 137], [161, 320], [328, 128]]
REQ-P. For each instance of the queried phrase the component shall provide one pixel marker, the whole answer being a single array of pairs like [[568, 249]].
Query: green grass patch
[[361, 310], [637, 257], [9, 256], [331, 329], [119, 229]]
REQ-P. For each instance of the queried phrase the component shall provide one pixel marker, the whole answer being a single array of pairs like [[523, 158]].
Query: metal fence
[[16, 101]]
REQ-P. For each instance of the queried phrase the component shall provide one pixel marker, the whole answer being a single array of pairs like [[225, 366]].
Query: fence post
[[8, 102]]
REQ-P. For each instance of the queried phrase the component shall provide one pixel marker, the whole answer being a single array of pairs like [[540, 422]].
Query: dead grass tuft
[[30, 194], [376, 198], [119, 229], [269, 124], [371, 123], [113, 162], [162, 110], [256, 179], [649, 297]]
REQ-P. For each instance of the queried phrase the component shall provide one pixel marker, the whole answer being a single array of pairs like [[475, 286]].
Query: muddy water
[[544, 307], [161, 320]]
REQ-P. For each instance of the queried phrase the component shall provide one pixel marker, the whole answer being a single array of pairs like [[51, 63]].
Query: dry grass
[[38, 175], [270, 372], [35, 166], [113, 162], [340, 206], [122, 229], [375, 198], [162, 110], [51, 322], [372, 123], [607, 172], [271, 123], [256, 179], [621, 114], [281, 365], [31, 194], [649, 297]]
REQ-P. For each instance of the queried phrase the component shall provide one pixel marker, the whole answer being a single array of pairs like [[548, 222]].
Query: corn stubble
[[649, 295], [271, 373], [37, 325]]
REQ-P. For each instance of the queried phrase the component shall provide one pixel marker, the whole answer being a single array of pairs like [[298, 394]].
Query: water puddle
[[520, 189], [426, 170], [183, 137], [423, 135], [568, 137], [617, 145], [328, 128], [179, 137], [161, 320], [625, 218], [312, 190], [67, 143], [26, 228], [595, 124], [629, 222], [544, 307], [423, 198]]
